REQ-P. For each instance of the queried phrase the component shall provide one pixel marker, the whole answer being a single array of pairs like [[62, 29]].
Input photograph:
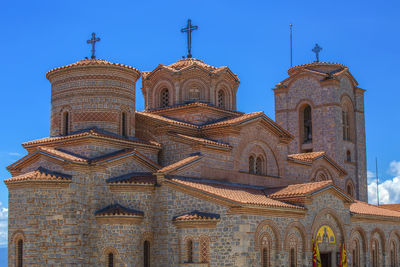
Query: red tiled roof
[[312, 156], [193, 104], [187, 63], [292, 69], [40, 174], [62, 154], [164, 119], [90, 132], [92, 62], [298, 190], [118, 210], [235, 193], [202, 140], [363, 208], [235, 120], [197, 216], [134, 178], [395, 207], [179, 164], [306, 157]]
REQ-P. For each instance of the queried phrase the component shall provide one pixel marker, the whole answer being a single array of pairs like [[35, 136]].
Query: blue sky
[[251, 37]]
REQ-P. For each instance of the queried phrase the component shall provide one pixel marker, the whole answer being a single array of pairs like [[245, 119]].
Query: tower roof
[[187, 63], [325, 67], [92, 62]]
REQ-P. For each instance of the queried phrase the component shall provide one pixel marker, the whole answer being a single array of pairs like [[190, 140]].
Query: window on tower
[[146, 254], [65, 123], [306, 127], [221, 99], [19, 259], [164, 98]]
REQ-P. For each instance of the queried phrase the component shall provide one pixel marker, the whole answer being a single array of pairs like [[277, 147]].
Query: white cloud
[[3, 226], [15, 154], [389, 190]]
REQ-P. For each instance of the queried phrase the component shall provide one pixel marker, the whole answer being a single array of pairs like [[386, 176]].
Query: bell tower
[[93, 93], [323, 107]]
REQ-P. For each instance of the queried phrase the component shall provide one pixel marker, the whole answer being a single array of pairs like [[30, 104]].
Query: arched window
[[146, 254], [19, 254], [164, 98], [259, 163], [251, 164], [374, 252], [110, 259], [292, 257], [346, 123], [189, 250], [194, 94], [221, 99], [65, 123], [265, 252], [306, 127], [123, 124], [356, 254], [349, 190], [204, 247], [348, 156], [393, 254]]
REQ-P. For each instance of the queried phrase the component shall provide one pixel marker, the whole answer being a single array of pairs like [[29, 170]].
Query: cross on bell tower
[[316, 50], [189, 28], [93, 42]]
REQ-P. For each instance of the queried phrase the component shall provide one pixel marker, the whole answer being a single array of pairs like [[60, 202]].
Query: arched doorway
[[329, 237]]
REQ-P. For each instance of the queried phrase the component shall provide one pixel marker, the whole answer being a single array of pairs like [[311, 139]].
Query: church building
[[191, 181]]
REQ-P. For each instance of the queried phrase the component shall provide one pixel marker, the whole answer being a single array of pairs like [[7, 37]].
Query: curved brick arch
[[204, 89], [156, 91], [228, 89], [305, 75], [363, 236], [300, 228], [319, 220], [381, 235], [259, 233], [317, 173], [244, 150]]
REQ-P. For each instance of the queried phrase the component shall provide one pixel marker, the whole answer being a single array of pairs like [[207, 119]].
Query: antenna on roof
[[291, 45], [377, 180]]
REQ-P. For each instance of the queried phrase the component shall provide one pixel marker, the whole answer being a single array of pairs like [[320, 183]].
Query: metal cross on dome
[[189, 28], [316, 50], [93, 42]]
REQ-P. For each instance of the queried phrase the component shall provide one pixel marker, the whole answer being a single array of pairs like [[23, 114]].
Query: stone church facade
[[191, 181]]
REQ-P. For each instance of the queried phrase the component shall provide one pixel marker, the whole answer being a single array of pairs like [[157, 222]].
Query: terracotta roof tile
[[185, 63], [40, 174], [92, 62], [395, 207], [118, 210], [144, 178], [235, 120], [292, 69], [165, 119], [179, 164], [62, 154], [240, 194], [197, 216], [363, 208], [297, 190], [306, 157], [192, 104], [202, 140], [90, 132], [311, 156]]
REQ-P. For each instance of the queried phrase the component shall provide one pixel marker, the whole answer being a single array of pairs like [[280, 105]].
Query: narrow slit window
[[189, 248], [123, 124], [20, 245], [110, 260], [221, 99], [146, 254], [164, 98], [259, 163], [307, 125], [65, 130], [251, 164]]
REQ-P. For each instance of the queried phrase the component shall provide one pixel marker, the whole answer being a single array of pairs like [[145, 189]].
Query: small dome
[[91, 62], [186, 62], [326, 67]]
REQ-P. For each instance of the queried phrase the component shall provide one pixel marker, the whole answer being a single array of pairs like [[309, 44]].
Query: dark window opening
[[146, 254]]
